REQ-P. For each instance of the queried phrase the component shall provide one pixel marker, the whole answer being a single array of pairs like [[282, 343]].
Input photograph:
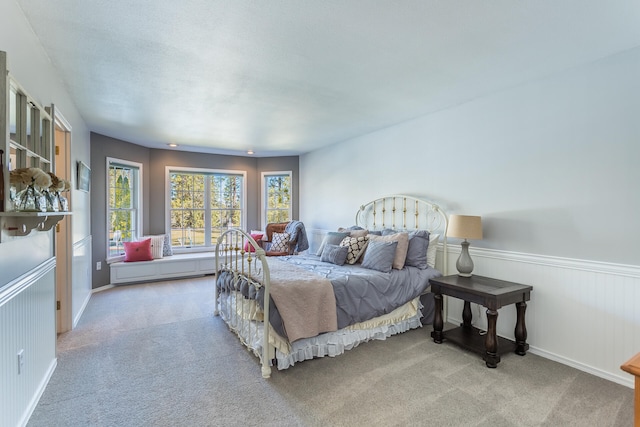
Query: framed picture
[[84, 177]]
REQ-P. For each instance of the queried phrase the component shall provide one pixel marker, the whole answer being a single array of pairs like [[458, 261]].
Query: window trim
[[263, 194], [167, 201], [139, 198]]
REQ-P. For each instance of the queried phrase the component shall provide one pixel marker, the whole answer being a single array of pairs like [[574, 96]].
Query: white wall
[[22, 295], [29, 65], [551, 166]]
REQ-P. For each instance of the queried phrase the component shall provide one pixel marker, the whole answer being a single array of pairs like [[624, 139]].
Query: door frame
[[63, 242]]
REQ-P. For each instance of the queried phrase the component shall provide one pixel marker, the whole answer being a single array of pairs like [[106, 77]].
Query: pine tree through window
[[123, 204], [277, 197], [204, 204]]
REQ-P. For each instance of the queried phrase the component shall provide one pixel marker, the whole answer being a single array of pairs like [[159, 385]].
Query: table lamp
[[465, 227]]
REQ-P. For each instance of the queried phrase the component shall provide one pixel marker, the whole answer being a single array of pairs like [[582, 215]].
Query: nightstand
[[492, 294]]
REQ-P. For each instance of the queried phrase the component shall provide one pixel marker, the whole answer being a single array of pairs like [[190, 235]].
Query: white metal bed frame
[[250, 268]]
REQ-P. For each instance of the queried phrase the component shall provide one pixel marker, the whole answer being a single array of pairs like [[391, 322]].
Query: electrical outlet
[[99, 265], [20, 361]]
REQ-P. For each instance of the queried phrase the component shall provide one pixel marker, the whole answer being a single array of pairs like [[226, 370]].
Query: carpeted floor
[[154, 355]]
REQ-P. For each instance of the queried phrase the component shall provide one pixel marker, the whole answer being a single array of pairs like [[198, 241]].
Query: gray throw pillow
[[379, 255], [334, 254], [417, 252], [331, 238]]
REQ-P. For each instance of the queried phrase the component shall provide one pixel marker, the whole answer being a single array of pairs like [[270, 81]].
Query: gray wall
[[101, 148], [253, 166], [551, 165], [154, 162]]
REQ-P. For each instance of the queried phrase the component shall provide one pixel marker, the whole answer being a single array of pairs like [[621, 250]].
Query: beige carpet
[[154, 355]]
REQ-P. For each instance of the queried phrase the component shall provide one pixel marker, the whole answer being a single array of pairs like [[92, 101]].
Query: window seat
[[170, 267]]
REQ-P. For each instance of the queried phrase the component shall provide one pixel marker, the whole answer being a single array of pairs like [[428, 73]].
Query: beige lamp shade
[[465, 227]]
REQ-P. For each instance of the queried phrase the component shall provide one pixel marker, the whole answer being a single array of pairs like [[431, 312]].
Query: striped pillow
[[380, 255], [157, 245]]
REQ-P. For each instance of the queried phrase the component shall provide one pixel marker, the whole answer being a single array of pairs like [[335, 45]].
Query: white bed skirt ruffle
[[329, 344], [335, 343]]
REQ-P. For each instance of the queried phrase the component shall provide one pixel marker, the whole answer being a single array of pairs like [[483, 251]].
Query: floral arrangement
[[55, 201], [58, 185], [31, 177], [42, 192]]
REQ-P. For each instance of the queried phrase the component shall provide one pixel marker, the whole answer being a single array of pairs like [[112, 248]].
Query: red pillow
[[138, 251], [248, 247]]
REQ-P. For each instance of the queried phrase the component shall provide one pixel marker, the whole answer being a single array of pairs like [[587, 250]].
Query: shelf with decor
[[17, 223], [30, 193]]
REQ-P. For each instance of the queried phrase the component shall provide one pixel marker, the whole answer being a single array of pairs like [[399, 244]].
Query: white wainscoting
[[584, 314], [81, 280], [27, 325]]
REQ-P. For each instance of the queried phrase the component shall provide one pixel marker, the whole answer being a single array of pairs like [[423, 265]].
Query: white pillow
[[280, 242], [432, 250], [157, 245]]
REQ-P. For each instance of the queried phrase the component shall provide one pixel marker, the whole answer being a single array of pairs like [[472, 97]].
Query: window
[[124, 219], [276, 196], [203, 204]]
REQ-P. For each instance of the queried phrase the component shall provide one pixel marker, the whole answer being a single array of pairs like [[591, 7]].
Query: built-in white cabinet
[[27, 142]]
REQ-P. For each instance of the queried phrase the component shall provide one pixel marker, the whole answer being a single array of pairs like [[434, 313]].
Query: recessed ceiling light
[[249, 152], [172, 144]]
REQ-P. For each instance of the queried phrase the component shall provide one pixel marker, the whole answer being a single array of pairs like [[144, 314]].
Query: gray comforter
[[361, 294]]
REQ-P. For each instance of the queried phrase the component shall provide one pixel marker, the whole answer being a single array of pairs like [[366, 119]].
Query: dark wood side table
[[492, 294]]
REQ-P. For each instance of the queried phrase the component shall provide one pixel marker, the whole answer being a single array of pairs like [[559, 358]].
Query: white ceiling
[[284, 77]]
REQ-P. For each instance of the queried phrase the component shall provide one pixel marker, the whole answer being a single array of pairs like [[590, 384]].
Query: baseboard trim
[[102, 288], [84, 305], [619, 379], [628, 382], [36, 397]]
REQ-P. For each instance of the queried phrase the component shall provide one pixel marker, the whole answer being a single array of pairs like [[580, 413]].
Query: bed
[[325, 302]]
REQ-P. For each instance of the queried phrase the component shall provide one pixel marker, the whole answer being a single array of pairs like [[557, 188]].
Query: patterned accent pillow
[[167, 250], [379, 255], [280, 242], [137, 251], [334, 254], [356, 246], [157, 245], [401, 250]]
